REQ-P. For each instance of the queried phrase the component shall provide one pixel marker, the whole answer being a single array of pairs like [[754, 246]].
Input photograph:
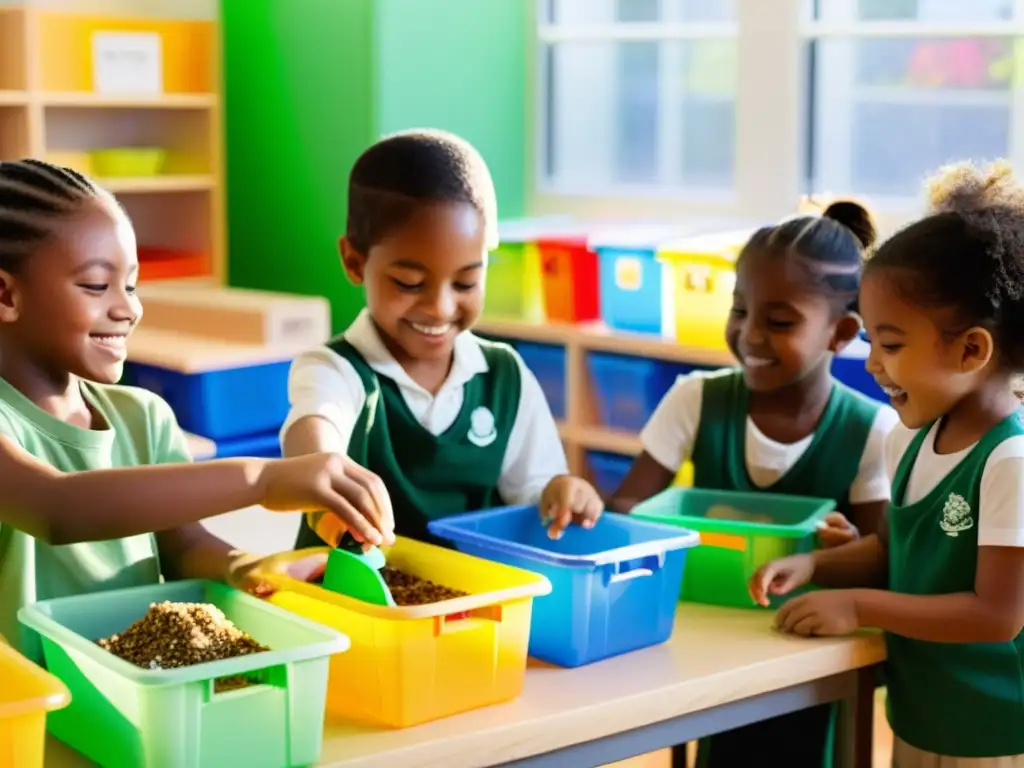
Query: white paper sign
[[127, 63]]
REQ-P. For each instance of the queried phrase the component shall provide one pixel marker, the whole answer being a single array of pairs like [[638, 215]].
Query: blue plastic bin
[[614, 588], [608, 470], [630, 288], [547, 362], [628, 389], [221, 404], [849, 367], [266, 446]]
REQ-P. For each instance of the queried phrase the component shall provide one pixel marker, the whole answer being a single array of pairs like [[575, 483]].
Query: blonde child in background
[[780, 423], [439, 420], [79, 505], [943, 303]]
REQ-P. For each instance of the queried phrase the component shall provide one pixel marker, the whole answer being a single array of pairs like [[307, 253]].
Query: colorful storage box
[[570, 275], [220, 404], [702, 273], [27, 693], [849, 366], [123, 716], [266, 446], [547, 362], [514, 288], [614, 587], [739, 532], [627, 389], [632, 289], [608, 470], [409, 665], [128, 161]]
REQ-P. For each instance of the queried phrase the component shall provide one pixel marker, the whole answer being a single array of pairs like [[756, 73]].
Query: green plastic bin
[[123, 716], [739, 532]]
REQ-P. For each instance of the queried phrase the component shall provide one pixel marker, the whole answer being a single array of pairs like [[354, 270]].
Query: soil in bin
[[407, 589], [173, 635]]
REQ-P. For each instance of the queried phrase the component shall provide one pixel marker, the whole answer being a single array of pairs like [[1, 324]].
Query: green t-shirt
[[142, 430]]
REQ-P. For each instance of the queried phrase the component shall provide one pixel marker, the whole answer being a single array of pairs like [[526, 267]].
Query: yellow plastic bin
[[128, 161], [703, 277], [410, 665], [27, 693]]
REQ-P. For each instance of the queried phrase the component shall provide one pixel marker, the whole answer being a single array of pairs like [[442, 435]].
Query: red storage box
[[569, 269]]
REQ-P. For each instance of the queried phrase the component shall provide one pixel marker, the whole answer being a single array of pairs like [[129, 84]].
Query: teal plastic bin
[[739, 532], [123, 716]]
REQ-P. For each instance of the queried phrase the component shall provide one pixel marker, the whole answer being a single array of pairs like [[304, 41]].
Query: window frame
[[772, 111]]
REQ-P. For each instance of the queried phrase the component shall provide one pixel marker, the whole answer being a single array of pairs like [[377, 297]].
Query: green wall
[[310, 83]]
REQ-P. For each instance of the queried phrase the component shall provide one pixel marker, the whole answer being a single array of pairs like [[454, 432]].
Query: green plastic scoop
[[354, 573]]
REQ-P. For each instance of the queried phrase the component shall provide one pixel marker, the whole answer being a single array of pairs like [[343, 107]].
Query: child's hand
[[243, 573], [780, 577], [836, 531], [344, 495], [822, 614], [568, 499]]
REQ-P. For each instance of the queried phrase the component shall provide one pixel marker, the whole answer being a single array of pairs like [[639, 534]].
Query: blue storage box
[[267, 446], [614, 587], [608, 470], [631, 282], [849, 367], [220, 404], [628, 389], [547, 362]]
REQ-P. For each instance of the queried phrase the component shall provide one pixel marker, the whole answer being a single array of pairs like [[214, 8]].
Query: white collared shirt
[[322, 383]]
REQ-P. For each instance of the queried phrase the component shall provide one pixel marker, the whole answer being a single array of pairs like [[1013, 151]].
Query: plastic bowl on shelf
[[128, 161]]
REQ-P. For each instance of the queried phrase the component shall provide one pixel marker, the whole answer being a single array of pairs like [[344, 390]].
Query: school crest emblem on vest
[[481, 427], [956, 515]]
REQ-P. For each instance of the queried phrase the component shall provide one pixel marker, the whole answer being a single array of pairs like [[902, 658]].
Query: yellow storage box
[[703, 277], [410, 665], [27, 693]]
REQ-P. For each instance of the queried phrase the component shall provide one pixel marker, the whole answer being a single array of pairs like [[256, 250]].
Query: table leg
[[855, 726]]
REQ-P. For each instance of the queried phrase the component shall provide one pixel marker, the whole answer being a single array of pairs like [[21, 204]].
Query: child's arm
[[667, 440], [326, 396], [992, 612], [870, 492]]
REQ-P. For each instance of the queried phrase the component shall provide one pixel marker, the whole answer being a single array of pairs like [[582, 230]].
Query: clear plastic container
[[614, 587], [739, 532], [124, 716]]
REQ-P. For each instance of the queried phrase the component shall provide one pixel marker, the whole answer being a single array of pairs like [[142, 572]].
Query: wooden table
[[721, 669]]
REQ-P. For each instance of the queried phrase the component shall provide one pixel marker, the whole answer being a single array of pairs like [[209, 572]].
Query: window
[[900, 87], [750, 103], [638, 94]]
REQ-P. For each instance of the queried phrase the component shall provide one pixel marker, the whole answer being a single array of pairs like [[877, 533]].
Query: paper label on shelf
[[723, 541], [628, 273], [126, 63]]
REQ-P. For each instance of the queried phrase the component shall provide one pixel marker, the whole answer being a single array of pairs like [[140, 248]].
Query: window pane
[[578, 12], [888, 111], [915, 10], [640, 113]]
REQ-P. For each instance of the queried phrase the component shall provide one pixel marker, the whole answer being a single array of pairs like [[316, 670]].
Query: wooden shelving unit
[[49, 110], [580, 431]]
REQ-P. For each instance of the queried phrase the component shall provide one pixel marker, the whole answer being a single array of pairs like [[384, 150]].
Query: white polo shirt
[[322, 383]]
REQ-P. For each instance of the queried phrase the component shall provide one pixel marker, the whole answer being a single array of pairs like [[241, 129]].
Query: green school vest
[[953, 699], [827, 468], [430, 476]]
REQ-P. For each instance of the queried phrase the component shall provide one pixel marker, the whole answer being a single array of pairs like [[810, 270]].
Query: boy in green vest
[[780, 423], [434, 420], [943, 301]]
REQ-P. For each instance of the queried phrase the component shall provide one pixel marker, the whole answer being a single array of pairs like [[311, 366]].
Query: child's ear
[[10, 298], [977, 348], [352, 260], [846, 331]]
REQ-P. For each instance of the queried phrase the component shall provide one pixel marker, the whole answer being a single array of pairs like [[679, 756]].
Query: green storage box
[[739, 532], [123, 716], [514, 288]]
